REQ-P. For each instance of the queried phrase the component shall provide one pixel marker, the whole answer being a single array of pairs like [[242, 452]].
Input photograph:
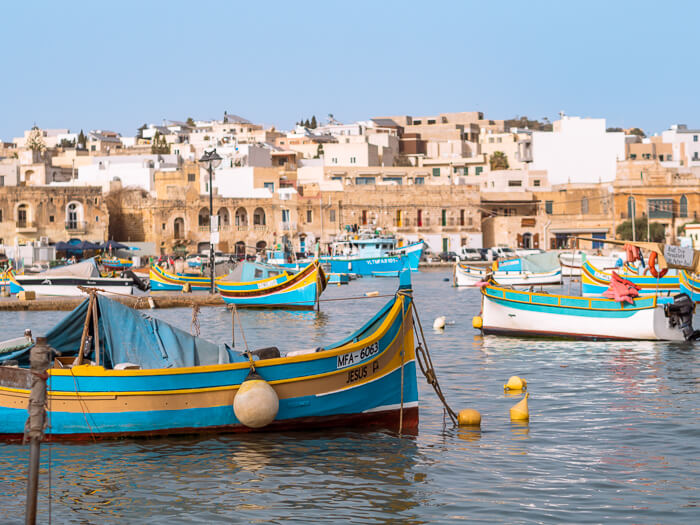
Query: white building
[[131, 170], [351, 154], [686, 144], [234, 183], [578, 150]]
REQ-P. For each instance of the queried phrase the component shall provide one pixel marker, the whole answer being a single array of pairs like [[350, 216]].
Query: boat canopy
[[246, 272], [129, 336], [87, 269], [535, 263]]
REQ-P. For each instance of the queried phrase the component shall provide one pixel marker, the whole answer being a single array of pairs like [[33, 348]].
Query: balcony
[[76, 226], [242, 227], [260, 227], [287, 226], [26, 227]]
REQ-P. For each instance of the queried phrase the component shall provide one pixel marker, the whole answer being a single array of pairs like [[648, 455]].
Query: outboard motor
[[680, 314], [141, 283]]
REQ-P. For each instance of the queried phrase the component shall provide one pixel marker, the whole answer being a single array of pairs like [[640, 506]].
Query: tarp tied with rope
[[129, 336]]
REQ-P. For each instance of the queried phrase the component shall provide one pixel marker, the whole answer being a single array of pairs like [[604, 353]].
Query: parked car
[[448, 257], [502, 252], [469, 254]]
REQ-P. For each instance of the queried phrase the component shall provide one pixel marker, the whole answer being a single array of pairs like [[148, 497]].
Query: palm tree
[[498, 161]]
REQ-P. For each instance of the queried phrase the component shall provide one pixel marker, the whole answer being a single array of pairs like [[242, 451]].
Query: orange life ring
[[652, 267]]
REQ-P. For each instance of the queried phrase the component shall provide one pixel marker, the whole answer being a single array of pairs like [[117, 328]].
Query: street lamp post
[[212, 159]]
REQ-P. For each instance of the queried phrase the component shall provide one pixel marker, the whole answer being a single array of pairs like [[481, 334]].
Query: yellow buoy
[[256, 402], [494, 266], [477, 322], [469, 418], [515, 383], [519, 411]]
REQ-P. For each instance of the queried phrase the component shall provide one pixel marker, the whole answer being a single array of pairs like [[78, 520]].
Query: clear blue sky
[[116, 65]]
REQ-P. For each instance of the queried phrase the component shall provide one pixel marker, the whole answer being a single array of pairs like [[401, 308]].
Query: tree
[[498, 161], [35, 140], [190, 121], [82, 140], [319, 151], [139, 131], [314, 124], [638, 132], [656, 229], [65, 143], [160, 144], [307, 124], [524, 122]]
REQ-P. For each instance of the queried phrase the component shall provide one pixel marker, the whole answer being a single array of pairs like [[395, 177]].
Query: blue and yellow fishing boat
[[298, 291], [532, 314], [163, 280], [594, 282], [144, 377], [116, 263]]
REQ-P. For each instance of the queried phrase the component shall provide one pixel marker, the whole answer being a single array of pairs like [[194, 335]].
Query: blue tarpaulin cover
[[129, 336]]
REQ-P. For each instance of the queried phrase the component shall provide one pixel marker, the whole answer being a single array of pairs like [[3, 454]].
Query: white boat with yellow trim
[[465, 275], [532, 314]]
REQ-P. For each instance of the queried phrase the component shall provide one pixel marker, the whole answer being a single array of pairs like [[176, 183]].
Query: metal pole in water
[[39, 360]]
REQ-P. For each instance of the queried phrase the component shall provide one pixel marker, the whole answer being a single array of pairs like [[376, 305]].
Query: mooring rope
[[194, 325], [426, 366]]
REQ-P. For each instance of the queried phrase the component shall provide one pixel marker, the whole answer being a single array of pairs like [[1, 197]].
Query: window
[[515, 183], [332, 214], [419, 180], [92, 148], [397, 180], [660, 208], [417, 122], [285, 215], [436, 172], [431, 121], [2, 180], [162, 226], [364, 180], [51, 218], [633, 156], [190, 177], [334, 160], [466, 170], [548, 207], [597, 245], [695, 138], [461, 217], [478, 170], [97, 218], [490, 140], [352, 160], [309, 215], [22, 212], [631, 207], [0, 215], [536, 182], [337, 178], [684, 206], [270, 186], [584, 206], [499, 140], [443, 218]]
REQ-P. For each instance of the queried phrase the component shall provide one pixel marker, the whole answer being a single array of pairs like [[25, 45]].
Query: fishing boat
[[465, 275], [689, 285], [535, 269], [116, 263], [532, 314], [142, 377], [282, 290], [368, 253], [571, 262], [594, 282], [68, 280]]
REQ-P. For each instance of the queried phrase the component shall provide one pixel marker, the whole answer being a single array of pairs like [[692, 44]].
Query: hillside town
[[453, 180]]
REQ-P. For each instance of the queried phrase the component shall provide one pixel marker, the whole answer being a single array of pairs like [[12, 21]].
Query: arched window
[[203, 217], [179, 228], [684, 206], [74, 215], [584, 206], [224, 217], [259, 217], [241, 217], [631, 207], [22, 215]]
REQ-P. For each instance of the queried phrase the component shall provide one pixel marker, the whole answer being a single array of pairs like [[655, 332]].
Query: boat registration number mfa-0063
[[353, 358]]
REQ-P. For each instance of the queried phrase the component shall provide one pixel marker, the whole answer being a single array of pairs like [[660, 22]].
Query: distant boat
[[571, 262], [283, 290], [115, 263], [65, 280], [532, 314], [594, 282], [373, 254], [154, 379], [534, 269]]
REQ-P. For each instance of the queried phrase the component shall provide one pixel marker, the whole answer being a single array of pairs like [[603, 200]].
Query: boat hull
[[519, 313], [68, 286], [571, 265], [357, 382], [465, 275]]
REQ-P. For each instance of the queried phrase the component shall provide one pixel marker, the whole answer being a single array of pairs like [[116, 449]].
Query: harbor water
[[613, 436]]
